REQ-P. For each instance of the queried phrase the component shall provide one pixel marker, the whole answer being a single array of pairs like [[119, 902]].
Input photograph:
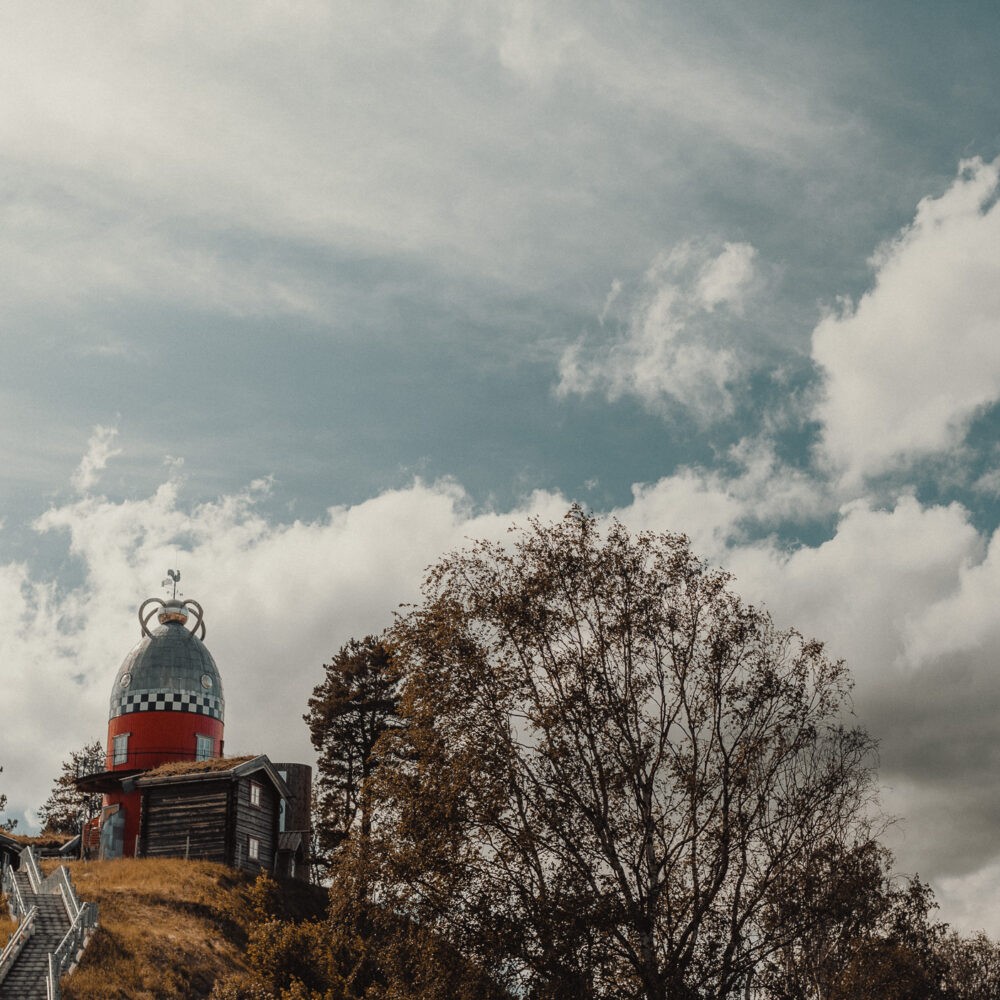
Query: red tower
[[166, 705]]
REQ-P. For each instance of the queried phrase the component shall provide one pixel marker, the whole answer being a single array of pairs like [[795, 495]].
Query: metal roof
[[171, 660]]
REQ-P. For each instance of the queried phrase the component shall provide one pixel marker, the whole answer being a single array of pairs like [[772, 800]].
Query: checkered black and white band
[[169, 701]]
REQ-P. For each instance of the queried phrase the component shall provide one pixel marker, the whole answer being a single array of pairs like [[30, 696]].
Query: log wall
[[185, 819]]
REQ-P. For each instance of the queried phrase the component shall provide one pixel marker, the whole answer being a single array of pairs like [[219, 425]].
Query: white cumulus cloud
[[897, 590], [100, 450], [279, 600], [669, 347], [911, 364]]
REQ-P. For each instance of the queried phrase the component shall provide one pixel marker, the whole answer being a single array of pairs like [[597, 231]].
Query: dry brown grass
[[197, 766], [42, 841], [168, 928], [7, 924]]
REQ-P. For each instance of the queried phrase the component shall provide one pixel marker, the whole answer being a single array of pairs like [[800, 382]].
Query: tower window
[[204, 748], [120, 749], [253, 849], [254, 794]]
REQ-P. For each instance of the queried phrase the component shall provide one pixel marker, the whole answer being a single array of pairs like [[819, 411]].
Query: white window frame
[[204, 747], [253, 849], [119, 749], [256, 799]]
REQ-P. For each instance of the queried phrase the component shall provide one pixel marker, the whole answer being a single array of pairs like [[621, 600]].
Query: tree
[[8, 824], [67, 808], [348, 711], [359, 953], [972, 967], [864, 933], [610, 769], [284, 957]]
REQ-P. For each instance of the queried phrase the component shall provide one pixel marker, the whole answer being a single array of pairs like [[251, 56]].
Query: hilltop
[[168, 928]]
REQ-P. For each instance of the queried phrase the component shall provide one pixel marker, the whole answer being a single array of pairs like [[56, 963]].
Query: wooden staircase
[[53, 928]]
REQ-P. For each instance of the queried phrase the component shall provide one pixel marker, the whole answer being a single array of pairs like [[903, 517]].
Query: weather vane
[[174, 577]]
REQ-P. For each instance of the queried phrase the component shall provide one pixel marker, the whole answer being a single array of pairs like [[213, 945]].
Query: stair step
[[26, 978]]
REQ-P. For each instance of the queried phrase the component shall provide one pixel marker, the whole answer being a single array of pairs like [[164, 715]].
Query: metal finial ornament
[[172, 610], [173, 577]]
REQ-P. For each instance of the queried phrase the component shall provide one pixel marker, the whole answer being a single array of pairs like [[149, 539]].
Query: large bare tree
[[613, 771]]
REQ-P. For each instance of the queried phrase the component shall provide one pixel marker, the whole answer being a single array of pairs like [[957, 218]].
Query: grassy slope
[[6, 924], [168, 928]]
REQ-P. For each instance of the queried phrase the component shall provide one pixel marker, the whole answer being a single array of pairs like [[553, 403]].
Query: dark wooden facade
[[298, 811], [10, 851], [293, 855], [229, 816], [186, 820], [258, 822]]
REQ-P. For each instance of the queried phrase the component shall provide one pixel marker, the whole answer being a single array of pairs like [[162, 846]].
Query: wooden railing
[[52, 990], [30, 866], [64, 957], [82, 918], [18, 940], [12, 891]]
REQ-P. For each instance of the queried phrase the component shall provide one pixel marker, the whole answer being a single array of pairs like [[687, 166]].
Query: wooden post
[[187, 846]]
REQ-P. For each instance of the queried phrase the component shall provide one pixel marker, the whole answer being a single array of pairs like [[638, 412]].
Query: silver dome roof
[[169, 669]]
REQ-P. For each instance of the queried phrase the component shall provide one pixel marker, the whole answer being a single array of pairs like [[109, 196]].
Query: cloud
[[670, 347], [534, 43], [911, 364], [966, 619], [865, 589], [971, 898], [903, 592], [896, 590], [724, 281], [100, 450], [722, 510], [81, 245], [284, 134], [279, 600], [711, 87]]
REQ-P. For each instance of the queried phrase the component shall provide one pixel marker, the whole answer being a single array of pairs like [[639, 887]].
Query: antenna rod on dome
[[174, 577]]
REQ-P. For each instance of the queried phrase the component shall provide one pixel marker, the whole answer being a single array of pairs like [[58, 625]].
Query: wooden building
[[168, 790], [225, 810], [10, 850]]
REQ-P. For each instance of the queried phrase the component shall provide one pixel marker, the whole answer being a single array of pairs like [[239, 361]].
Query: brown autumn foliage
[[972, 966], [608, 766], [168, 928], [7, 925], [361, 950], [283, 952], [67, 809], [868, 934], [608, 778]]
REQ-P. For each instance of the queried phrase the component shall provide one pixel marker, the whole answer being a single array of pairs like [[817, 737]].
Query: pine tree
[[348, 711], [67, 808], [9, 824]]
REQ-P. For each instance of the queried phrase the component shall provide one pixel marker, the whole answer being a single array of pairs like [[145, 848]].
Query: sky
[[297, 297]]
